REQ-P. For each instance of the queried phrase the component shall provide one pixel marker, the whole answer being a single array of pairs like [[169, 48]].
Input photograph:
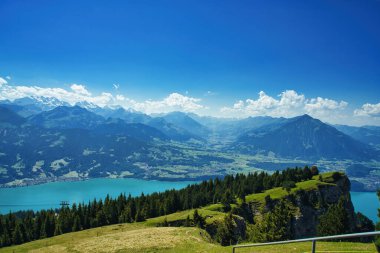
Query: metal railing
[[313, 240]]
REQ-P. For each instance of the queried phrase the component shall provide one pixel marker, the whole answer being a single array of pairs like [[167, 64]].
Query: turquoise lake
[[366, 203], [49, 195]]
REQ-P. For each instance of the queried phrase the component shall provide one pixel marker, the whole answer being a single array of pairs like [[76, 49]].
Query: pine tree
[[6, 240], [199, 221], [76, 224], [225, 234], [43, 233], [337, 215], [227, 200], [139, 216], [101, 218], [275, 225], [17, 237], [314, 170], [57, 230]]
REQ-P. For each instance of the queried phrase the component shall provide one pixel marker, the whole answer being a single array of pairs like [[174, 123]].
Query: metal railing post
[[313, 246]]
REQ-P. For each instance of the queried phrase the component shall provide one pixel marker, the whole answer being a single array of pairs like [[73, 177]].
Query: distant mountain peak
[[45, 103], [305, 117], [67, 117], [304, 137], [87, 105]]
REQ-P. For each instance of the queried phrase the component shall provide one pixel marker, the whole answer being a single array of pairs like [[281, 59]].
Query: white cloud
[[173, 102], [320, 106], [79, 93], [3, 81], [80, 89], [120, 97], [288, 104], [369, 110], [8, 77]]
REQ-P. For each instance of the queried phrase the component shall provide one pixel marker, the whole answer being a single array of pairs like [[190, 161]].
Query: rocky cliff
[[313, 204], [305, 208]]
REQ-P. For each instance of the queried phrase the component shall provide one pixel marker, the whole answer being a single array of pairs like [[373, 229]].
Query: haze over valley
[[44, 141]]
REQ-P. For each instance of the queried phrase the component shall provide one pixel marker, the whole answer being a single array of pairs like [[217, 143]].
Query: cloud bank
[[287, 104], [78, 94], [368, 110]]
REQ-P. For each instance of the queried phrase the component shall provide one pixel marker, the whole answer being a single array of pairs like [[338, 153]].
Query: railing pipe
[[313, 240]]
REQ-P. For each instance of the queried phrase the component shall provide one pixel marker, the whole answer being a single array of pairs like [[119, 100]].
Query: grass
[[181, 216], [142, 238], [147, 237], [279, 192]]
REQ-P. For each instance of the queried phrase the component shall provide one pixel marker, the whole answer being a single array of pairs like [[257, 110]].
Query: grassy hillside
[[280, 192], [142, 237], [147, 236]]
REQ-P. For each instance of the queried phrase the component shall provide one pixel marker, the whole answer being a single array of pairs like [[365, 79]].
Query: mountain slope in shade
[[67, 117], [7, 116], [305, 137], [22, 110], [183, 121], [33, 152], [76, 117], [170, 130], [129, 116], [173, 131], [135, 130], [226, 130], [367, 134]]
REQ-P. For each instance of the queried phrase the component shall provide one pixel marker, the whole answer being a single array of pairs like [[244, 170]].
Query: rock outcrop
[[313, 204]]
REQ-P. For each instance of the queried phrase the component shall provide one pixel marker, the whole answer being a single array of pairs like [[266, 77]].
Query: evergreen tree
[[43, 233], [6, 240], [101, 218], [57, 230], [17, 237], [139, 216], [199, 221], [334, 221], [275, 225], [314, 170], [225, 234], [76, 224], [227, 200]]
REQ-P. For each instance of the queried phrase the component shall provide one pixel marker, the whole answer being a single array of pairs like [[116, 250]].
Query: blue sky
[[217, 52]]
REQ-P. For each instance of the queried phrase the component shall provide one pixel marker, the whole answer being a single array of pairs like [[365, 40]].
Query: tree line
[[24, 226]]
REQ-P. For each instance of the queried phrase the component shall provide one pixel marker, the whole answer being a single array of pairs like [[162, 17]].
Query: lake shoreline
[[33, 182], [49, 195]]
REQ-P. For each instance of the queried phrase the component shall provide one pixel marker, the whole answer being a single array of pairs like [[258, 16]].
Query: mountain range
[[44, 138]]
